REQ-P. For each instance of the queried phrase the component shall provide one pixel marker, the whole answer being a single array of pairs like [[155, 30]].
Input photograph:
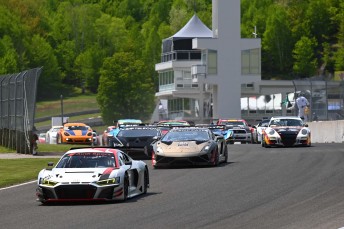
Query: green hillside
[[70, 105]]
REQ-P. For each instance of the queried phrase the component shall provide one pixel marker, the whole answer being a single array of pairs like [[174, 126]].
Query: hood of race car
[[77, 174], [182, 148], [281, 129], [77, 132]]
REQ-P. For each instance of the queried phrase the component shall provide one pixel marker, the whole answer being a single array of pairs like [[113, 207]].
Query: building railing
[[180, 84], [183, 55]]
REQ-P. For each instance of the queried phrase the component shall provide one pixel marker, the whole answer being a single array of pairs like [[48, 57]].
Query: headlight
[[109, 181], [206, 148], [304, 132], [48, 182], [89, 134], [271, 132], [117, 144], [159, 150], [66, 133]]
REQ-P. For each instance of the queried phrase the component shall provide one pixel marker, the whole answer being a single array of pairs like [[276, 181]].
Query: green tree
[[40, 54], [253, 13], [318, 20], [339, 53], [178, 15], [87, 66], [8, 56], [277, 43], [111, 33], [305, 62], [125, 90]]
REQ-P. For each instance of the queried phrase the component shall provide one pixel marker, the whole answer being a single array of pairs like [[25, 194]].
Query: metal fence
[[17, 109], [325, 97]]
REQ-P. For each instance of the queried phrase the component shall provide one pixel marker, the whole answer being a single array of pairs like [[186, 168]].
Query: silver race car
[[89, 174], [191, 146]]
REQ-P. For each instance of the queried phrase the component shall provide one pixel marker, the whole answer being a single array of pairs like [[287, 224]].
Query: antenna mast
[[255, 32]]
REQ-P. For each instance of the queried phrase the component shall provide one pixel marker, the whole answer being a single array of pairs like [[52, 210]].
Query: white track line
[[14, 186]]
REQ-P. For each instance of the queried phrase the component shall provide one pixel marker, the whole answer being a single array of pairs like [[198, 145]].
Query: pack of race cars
[[110, 173]]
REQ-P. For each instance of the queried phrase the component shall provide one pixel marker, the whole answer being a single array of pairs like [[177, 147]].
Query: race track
[[280, 188]]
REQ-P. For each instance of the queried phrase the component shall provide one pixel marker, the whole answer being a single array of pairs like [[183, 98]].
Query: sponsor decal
[[183, 144]]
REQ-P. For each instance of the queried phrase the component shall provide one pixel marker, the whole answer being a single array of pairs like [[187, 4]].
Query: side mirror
[[219, 137], [129, 163], [50, 166], [306, 125]]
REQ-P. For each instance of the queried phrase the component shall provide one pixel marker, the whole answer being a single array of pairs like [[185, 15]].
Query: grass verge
[[16, 171], [70, 105], [46, 148], [29, 169]]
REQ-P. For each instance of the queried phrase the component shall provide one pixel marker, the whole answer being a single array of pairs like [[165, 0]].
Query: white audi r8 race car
[[286, 131], [90, 174]]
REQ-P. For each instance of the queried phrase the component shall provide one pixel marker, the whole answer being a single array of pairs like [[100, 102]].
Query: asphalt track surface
[[299, 187]]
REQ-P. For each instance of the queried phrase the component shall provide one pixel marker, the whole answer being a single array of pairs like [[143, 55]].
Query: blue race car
[[224, 130]]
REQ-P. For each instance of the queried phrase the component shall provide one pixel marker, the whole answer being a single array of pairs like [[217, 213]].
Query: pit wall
[[327, 131]]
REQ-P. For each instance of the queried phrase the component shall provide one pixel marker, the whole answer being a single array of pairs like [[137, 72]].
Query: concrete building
[[209, 74], [201, 70]]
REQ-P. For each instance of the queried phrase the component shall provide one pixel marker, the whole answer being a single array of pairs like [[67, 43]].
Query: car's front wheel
[[125, 187], [58, 139], [154, 164], [226, 154], [262, 142], [147, 151], [216, 157], [145, 181]]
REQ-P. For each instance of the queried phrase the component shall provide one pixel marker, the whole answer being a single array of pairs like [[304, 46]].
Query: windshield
[[138, 133], [264, 123], [233, 123], [55, 129], [76, 128], [186, 136], [87, 160], [286, 122], [174, 123]]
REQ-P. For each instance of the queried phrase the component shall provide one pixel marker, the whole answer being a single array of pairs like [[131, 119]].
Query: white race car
[[90, 174], [50, 136], [259, 129], [286, 131]]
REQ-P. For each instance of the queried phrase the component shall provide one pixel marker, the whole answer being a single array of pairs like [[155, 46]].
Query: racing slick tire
[[148, 151], [58, 139], [252, 140], [145, 181], [263, 143], [226, 154], [125, 187], [216, 156], [155, 166]]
